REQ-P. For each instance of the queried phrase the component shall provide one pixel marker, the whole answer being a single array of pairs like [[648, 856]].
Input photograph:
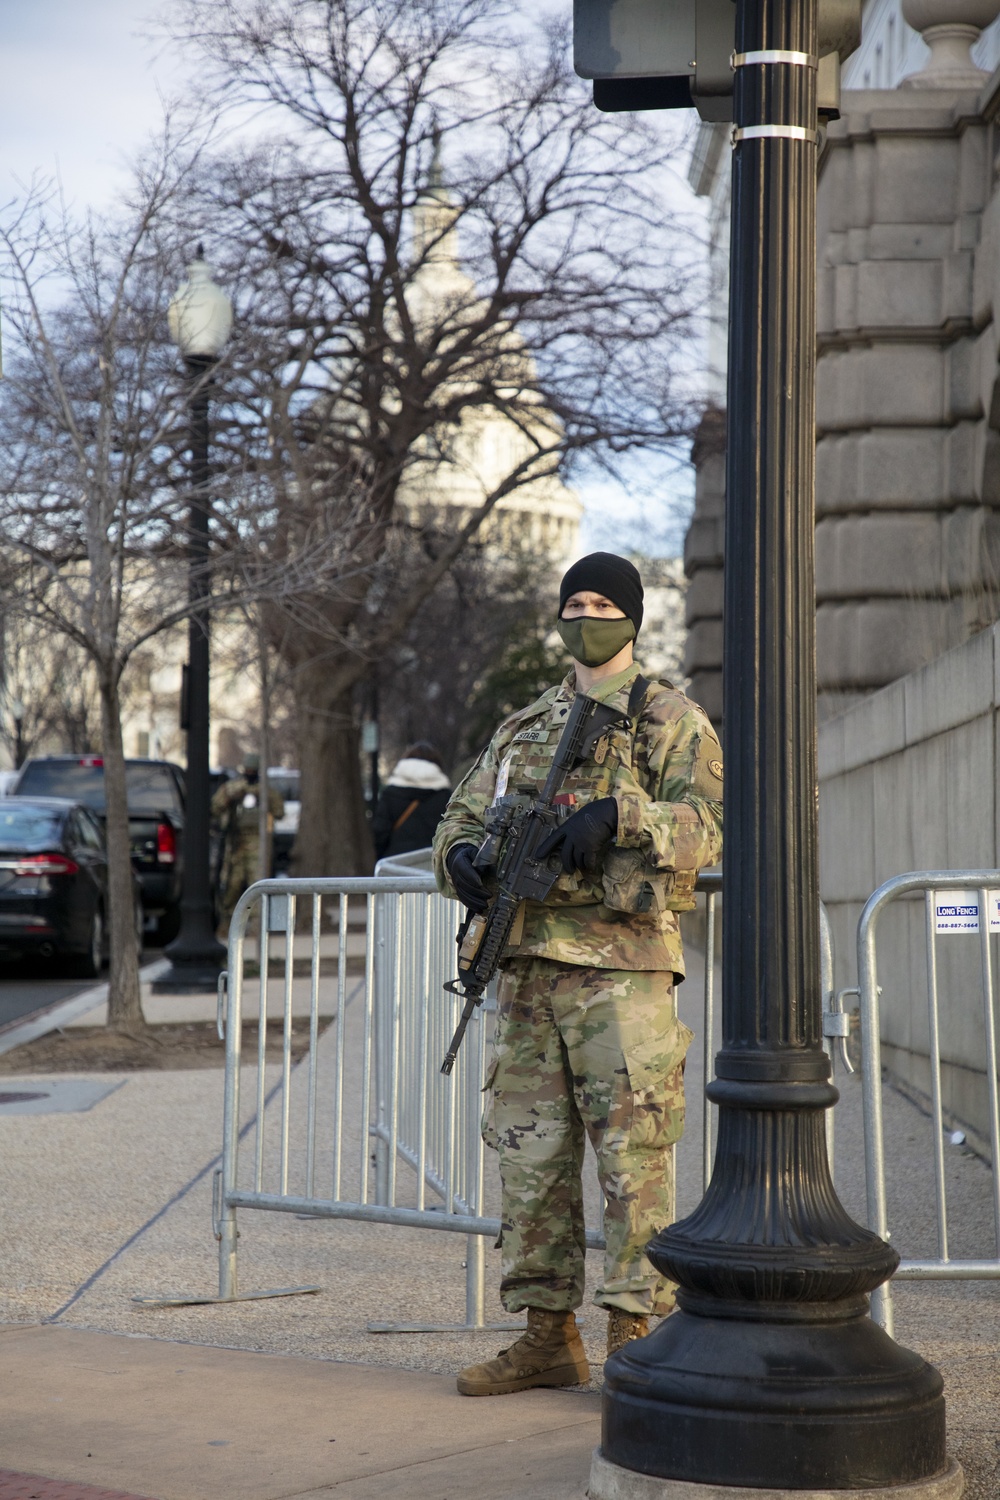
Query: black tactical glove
[[584, 836], [466, 878]]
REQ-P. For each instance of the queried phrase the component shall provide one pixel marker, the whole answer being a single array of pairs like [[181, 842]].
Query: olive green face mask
[[593, 642]]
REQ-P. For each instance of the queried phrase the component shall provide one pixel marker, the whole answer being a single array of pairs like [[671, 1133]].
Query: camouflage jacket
[[238, 819], [667, 781]]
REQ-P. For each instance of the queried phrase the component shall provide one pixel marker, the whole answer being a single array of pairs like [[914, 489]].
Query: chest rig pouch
[[631, 882]]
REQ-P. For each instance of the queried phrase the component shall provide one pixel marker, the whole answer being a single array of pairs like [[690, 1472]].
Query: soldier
[[237, 808], [587, 1035]]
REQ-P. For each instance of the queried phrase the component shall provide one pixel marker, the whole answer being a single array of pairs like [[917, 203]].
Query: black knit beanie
[[605, 573]]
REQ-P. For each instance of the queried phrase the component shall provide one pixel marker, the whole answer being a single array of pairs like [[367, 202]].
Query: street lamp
[[771, 1374], [200, 318]]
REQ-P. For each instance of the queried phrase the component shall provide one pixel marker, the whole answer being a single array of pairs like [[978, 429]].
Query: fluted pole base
[[771, 1372], [828, 1401]]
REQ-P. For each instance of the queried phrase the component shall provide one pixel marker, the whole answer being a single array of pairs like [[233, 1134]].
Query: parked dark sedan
[[53, 883], [155, 820]]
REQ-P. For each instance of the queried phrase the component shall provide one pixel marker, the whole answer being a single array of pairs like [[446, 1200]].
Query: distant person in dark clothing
[[411, 802]]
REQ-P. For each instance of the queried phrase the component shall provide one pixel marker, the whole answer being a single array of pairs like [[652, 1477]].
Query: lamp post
[[200, 318], [771, 1375]]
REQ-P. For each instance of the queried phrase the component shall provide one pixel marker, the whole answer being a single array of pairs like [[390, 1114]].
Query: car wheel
[[88, 965]]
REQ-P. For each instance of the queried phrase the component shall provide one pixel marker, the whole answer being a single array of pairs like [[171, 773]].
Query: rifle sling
[[637, 697]]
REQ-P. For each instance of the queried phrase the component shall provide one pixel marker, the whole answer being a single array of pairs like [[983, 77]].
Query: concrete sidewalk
[[114, 1201], [181, 1422]]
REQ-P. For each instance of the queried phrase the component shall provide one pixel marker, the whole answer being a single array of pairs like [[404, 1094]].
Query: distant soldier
[[236, 806]]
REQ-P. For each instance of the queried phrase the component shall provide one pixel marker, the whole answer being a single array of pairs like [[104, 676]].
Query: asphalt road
[[27, 986]]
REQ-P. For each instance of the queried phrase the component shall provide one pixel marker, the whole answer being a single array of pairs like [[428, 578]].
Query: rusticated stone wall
[[908, 399], [907, 455], [703, 551]]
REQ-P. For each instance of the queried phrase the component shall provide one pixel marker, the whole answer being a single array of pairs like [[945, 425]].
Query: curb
[[54, 1016]]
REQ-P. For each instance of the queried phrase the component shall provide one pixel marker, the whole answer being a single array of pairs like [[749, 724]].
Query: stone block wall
[[907, 529], [908, 781], [907, 398], [703, 556]]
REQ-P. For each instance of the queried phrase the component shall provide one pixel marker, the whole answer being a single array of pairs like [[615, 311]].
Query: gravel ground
[[114, 1202]]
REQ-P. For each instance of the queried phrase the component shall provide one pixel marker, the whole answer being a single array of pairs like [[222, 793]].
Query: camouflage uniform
[[241, 835], [587, 1036]]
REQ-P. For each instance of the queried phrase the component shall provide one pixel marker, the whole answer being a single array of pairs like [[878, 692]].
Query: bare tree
[[53, 683], [438, 240], [90, 423], [488, 620]]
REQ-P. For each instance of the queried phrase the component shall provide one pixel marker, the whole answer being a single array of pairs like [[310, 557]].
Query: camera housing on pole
[[675, 54]]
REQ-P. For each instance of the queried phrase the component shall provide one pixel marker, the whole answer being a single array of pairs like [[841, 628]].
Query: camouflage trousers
[[583, 1053], [240, 869]]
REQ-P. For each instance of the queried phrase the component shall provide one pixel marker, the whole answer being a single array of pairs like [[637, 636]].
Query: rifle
[[515, 827]]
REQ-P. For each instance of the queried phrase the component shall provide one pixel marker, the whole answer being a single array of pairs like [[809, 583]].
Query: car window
[[151, 787], [89, 832], [81, 780], [29, 827]]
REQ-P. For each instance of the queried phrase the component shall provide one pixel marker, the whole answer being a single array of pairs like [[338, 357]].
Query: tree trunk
[[333, 837], [124, 1000]]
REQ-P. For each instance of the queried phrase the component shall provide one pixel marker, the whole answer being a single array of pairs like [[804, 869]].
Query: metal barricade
[[836, 1025], [380, 1087], [976, 916], [366, 1127]]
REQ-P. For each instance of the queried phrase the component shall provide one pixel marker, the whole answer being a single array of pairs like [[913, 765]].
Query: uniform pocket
[[656, 1078], [487, 1126]]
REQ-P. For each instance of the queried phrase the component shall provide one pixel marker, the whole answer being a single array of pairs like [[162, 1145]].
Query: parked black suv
[[155, 818]]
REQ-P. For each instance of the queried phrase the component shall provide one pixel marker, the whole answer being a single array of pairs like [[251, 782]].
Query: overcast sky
[[81, 89], [78, 91]]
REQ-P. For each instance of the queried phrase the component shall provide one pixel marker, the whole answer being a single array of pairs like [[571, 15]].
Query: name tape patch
[[530, 737]]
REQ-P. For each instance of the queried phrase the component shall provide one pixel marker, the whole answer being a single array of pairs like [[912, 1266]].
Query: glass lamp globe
[[200, 316]]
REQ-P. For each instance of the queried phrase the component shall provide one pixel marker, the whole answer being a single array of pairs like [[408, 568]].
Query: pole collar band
[[773, 55], [772, 132]]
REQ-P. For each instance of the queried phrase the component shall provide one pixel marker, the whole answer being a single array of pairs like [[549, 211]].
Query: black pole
[[376, 784], [18, 743], [771, 1373], [196, 955]]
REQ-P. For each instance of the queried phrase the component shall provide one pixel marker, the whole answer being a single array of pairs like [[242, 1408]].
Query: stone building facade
[[908, 399]]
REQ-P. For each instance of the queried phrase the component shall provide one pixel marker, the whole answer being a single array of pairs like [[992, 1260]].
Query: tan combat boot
[[623, 1327], [550, 1353]]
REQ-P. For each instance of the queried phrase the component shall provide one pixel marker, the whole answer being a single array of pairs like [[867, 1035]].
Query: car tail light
[[46, 864], [91, 760], [166, 844]]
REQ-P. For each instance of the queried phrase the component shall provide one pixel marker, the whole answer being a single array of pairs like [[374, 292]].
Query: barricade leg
[[475, 1302], [228, 1238], [475, 1281]]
